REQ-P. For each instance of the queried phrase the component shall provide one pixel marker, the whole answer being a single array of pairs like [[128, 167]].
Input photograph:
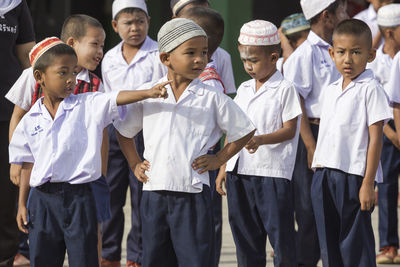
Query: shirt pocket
[[200, 121]]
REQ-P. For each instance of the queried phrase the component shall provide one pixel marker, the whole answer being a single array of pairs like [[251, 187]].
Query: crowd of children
[[306, 139]]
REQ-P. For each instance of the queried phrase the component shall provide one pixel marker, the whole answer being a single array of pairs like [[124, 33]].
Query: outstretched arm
[[128, 97]]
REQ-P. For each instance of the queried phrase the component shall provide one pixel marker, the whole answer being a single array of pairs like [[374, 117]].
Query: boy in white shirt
[[258, 177], [348, 150], [221, 59], [58, 145], [130, 64], [389, 25], [176, 213], [311, 70]]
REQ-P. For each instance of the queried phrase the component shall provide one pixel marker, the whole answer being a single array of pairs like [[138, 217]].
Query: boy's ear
[[274, 57], [371, 55], [164, 57], [71, 41], [38, 76], [114, 25], [331, 53]]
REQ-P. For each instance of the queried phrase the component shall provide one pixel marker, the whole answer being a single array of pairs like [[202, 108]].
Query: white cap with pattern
[[259, 32], [118, 5]]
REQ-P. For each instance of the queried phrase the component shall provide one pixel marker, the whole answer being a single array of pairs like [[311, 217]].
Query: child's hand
[[15, 173], [253, 144], [367, 196], [22, 220], [159, 90], [140, 169], [206, 163], [221, 179]]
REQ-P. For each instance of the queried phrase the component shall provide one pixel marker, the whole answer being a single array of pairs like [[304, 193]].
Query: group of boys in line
[[303, 139]]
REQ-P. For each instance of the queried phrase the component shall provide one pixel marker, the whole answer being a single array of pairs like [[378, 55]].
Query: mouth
[[134, 37], [69, 89], [347, 70], [97, 60]]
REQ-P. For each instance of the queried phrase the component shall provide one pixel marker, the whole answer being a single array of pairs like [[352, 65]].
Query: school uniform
[[390, 158], [119, 75], [176, 213], [223, 65], [258, 185], [66, 156], [369, 16], [345, 232], [316, 73]]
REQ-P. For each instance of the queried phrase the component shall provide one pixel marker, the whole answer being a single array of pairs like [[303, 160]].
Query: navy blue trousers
[[119, 178], [62, 217], [387, 195], [177, 229], [261, 207], [306, 236], [345, 232], [216, 207]]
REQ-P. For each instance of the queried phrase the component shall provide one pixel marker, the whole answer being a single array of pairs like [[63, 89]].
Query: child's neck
[[52, 104], [178, 85], [390, 48], [260, 82], [129, 52]]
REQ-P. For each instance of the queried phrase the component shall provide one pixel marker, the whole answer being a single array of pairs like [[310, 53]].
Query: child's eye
[[204, 53], [62, 73], [356, 52], [74, 73]]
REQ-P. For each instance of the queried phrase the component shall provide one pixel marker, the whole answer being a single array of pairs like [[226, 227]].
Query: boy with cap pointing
[[311, 70], [177, 224]]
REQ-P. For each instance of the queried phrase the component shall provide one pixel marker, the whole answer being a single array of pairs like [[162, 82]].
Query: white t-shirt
[[275, 103], [21, 93], [177, 132], [346, 115], [311, 70], [145, 67], [393, 85], [381, 67]]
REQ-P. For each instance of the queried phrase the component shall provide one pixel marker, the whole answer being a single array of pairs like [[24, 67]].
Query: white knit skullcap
[[177, 31], [118, 5], [259, 32], [389, 15], [311, 8]]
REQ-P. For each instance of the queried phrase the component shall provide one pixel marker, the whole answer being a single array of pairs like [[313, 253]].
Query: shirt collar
[[147, 47], [273, 82], [83, 75], [67, 104], [314, 39], [364, 77]]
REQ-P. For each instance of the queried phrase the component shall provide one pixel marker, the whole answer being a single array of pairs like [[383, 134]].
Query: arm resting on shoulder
[[22, 51]]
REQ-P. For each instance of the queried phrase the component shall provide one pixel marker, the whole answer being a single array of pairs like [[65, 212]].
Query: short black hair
[[354, 27], [129, 10], [331, 9], [269, 49], [76, 26], [211, 22], [294, 37], [45, 60]]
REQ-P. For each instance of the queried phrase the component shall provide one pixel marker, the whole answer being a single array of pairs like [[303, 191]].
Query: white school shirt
[[66, 149], [223, 63], [143, 68], [176, 133], [393, 85], [275, 102], [381, 67], [369, 16], [21, 93], [311, 70], [346, 115]]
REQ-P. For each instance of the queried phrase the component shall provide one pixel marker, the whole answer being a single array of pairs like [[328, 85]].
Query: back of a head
[[211, 22], [354, 27], [294, 26], [178, 5], [75, 26], [312, 9]]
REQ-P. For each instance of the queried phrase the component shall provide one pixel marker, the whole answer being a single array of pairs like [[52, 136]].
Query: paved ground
[[228, 257]]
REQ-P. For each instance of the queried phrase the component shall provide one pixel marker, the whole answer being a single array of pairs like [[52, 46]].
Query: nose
[[199, 59], [348, 59], [248, 66]]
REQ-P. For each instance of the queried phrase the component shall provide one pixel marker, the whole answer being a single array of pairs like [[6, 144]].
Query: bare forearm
[[104, 152], [396, 117], [128, 97], [232, 148], [128, 148], [305, 129], [287, 132], [373, 152], [22, 51], [24, 183]]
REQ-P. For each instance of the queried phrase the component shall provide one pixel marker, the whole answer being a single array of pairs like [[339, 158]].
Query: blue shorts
[[101, 195]]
